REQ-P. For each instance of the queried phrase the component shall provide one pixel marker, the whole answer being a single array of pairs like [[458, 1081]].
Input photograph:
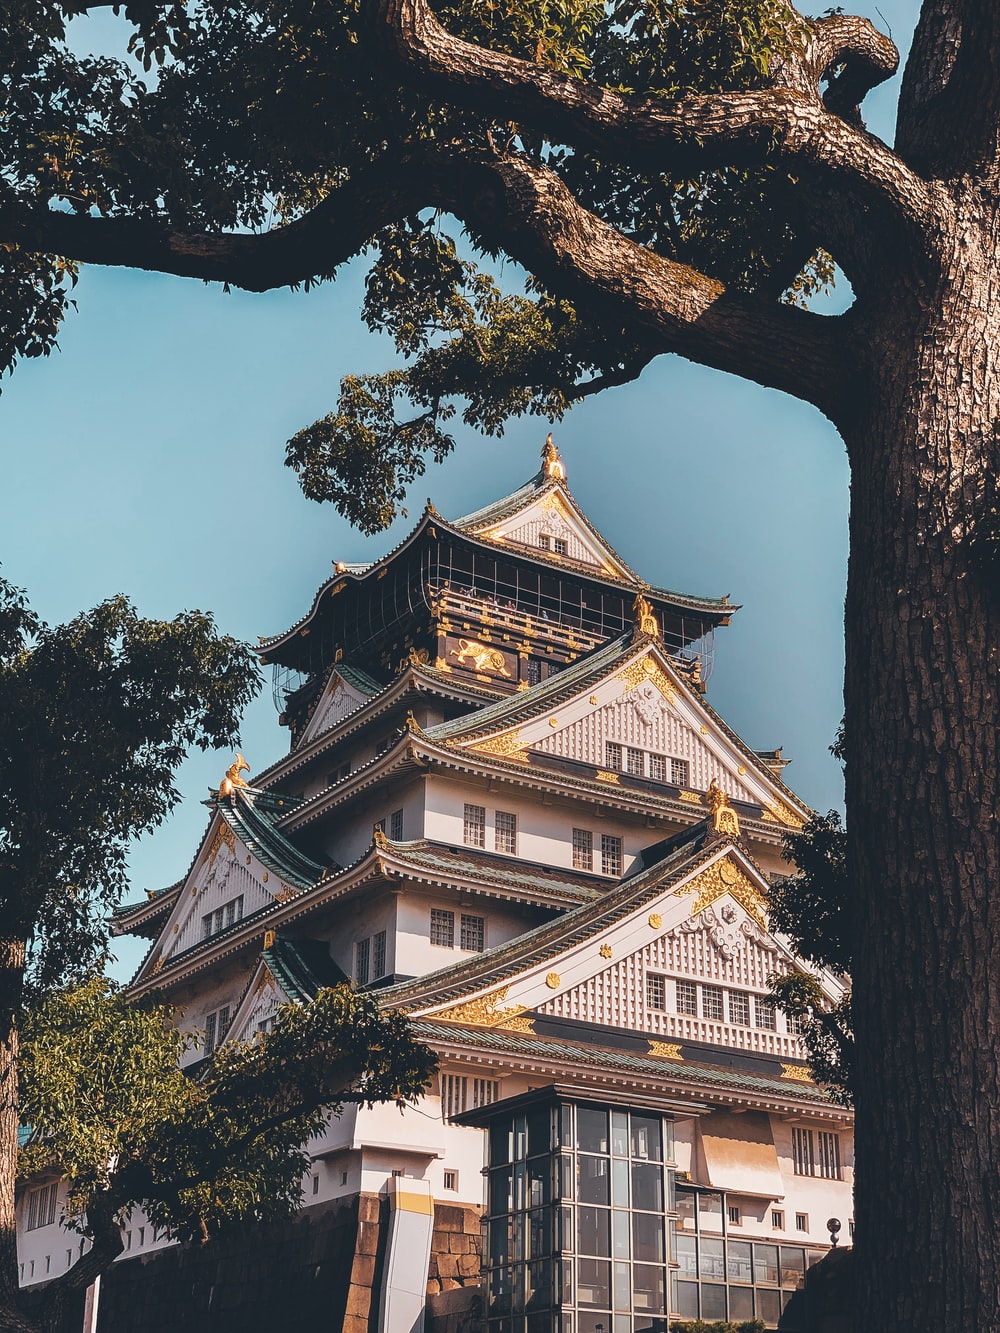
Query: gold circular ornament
[[552, 981], [265, 876], [655, 920], [605, 950], [728, 873], [553, 722]]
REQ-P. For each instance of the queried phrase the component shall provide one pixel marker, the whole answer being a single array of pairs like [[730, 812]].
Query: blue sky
[[146, 457]]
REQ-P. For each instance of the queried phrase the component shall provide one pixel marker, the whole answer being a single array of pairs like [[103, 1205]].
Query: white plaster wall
[[415, 955]]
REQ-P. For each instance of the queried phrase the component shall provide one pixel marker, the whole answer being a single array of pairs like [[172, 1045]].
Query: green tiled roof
[[505, 1042], [302, 967], [253, 816], [486, 868], [506, 960]]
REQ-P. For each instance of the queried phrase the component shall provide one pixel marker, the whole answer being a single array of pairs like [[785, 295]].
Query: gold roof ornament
[[552, 464], [232, 780], [724, 817], [645, 618]]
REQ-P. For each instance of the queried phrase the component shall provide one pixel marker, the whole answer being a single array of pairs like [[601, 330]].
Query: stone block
[[368, 1207], [449, 1217], [458, 1242], [433, 1286], [359, 1300], [450, 1284], [470, 1221], [468, 1265], [363, 1270], [354, 1324], [447, 1265], [367, 1241]]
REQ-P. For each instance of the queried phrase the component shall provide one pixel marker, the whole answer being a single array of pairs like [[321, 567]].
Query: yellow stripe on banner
[[408, 1202]]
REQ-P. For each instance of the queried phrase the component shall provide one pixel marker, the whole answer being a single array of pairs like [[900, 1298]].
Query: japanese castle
[[508, 806]]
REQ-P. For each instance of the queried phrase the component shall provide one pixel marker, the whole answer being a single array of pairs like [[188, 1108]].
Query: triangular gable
[[342, 695], [260, 1003], [224, 872], [643, 706], [707, 925]]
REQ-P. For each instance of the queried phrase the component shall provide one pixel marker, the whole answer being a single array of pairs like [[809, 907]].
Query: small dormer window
[[558, 546]]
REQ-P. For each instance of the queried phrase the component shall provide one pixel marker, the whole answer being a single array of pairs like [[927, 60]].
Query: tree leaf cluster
[[111, 1111]]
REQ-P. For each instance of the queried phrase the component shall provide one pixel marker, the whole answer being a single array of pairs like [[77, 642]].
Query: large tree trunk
[[12, 951], [923, 733]]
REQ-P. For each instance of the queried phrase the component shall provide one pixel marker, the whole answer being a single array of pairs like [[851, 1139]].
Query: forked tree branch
[[787, 123]]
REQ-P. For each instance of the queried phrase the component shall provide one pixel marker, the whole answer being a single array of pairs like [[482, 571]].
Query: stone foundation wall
[[454, 1301]]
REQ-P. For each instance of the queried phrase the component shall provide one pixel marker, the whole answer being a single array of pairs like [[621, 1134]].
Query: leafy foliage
[[252, 111], [716, 1326], [111, 1110], [96, 715]]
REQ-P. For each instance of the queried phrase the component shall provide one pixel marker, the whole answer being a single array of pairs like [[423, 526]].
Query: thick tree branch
[[787, 123], [948, 123]]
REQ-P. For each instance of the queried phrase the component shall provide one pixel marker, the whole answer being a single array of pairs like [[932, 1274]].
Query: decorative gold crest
[[604, 776], [223, 834], [552, 981], [667, 1050], [605, 950], [724, 817], [646, 669], [655, 920], [507, 745], [711, 884], [798, 1072]]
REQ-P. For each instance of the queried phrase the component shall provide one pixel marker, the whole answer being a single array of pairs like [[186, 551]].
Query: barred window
[[687, 998], [506, 831], [485, 1091], [442, 928], [679, 772], [210, 1029], [378, 955], [794, 1024], [454, 1094], [534, 668], [634, 762], [764, 1014], [612, 755], [42, 1206], [611, 854], [816, 1153], [828, 1154], [362, 961], [474, 829], [451, 1180], [583, 849], [559, 545], [711, 1002], [543, 541], [216, 1025], [226, 915], [396, 825], [657, 768], [473, 933], [656, 991], [739, 1008]]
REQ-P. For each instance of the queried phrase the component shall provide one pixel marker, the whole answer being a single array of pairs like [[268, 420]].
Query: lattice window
[[634, 762], [473, 933], [657, 768], [474, 826], [611, 854], [42, 1206], [506, 831], [828, 1154], [739, 1008], [396, 826], [559, 545], [794, 1024], [378, 955], [612, 755], [711, 1002], [656, 991], [223, 917], [442, 928], [687, 998], [680, 772], [362, 962], [216, 1025], [454, 1095], [485, 1091], [534, 670], [583, 849], [763, 1014]]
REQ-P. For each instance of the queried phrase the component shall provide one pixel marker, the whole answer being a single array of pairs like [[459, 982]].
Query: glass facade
[[576, 1232], [721, 1277]]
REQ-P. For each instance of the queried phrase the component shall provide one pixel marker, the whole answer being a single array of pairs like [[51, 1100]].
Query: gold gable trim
[[797, 1072], [667, 1050], [776, 813], [507, 746], [719, 879], [485, 1011], [646, 669]]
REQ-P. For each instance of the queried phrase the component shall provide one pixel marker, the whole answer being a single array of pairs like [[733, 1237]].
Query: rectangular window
[[473, 933], [828, 1155], [485, 1091], [816, 1153], [735, 1217], [474, 826], [210, 1030], [657, 768], [763, 1014], [396, 826], [611, 854], [506, 831], [315, 1184], [543, 541], [687, 998], [42, 1206], [206, 926], [534, 669], [612, 755], [656, 991], [679, 772], [777, 1220], [222, 917], [362, 962], [559, 545], [794, 1025], [801, 1221], [583, 849], [634, 762], [378, 955], [442, 928], [454, 1094], [739, 1008], [451, 1180], [711, 1002]]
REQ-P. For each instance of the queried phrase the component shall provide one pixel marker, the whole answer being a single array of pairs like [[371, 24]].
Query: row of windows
[[41, 1211], [392, 825], [555, 544], [816, 1152], [455, 1090], [472, 930], [369, 958], [504, 829], [226, 915], [583, 852], [641, 763], [712, 1002]]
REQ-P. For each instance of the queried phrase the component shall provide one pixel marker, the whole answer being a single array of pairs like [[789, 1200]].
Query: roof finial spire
[[645, 617], [724, 817], [232, 780], [552, 464]]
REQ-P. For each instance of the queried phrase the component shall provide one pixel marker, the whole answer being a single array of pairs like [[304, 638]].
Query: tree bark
[[12, 953], [923, 733]]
